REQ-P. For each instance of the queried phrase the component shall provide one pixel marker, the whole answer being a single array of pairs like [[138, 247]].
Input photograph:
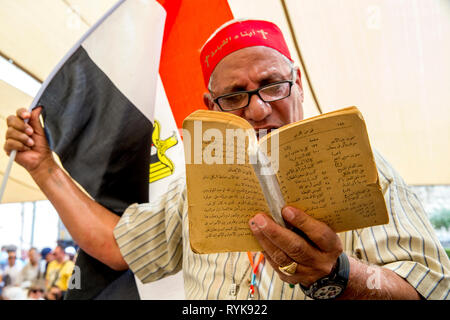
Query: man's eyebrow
[[234, 88], [265, 79], [272, 77]]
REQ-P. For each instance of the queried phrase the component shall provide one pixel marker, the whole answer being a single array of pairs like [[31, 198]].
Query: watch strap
[[338, 277]]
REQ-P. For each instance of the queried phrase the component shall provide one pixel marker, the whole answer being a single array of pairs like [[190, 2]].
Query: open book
[[324, 165]]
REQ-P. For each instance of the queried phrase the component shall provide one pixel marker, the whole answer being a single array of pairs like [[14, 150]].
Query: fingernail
[[288, 213], [260, 221], [30, 142], [29, 130]]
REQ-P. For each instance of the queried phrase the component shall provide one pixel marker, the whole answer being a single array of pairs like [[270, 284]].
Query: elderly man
[[241, 62]]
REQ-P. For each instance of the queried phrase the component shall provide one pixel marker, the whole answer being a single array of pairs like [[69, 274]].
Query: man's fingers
[[318, 232], [315, 251], [270, 250], [19, 136], [23, 113], [289, 279], [303, 274], [294, 246], [11, 145], [35, 123], [18, 124]]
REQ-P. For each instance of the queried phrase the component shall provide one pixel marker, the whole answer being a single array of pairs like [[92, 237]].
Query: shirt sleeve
[[150, 235], [406, 245]]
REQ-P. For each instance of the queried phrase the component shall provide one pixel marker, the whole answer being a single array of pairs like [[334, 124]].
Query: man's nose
[[257, 110]]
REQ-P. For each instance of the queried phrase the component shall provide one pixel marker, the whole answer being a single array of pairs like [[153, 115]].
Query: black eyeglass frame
[[251, 93]]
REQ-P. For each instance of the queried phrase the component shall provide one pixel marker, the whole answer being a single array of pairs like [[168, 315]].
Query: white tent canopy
[[388, 57]]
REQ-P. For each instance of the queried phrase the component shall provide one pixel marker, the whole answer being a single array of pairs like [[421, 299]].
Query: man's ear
[[298, 81], [207, 100]]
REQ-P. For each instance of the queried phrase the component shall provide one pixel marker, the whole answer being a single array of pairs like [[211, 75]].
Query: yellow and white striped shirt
[[154, 241]]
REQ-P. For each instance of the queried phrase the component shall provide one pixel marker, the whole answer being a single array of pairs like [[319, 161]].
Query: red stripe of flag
[[189, 23]]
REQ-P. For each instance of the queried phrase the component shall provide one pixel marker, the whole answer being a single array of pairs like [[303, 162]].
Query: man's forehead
[[256, 63]]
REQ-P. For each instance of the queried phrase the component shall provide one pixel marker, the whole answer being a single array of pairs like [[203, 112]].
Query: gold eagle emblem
[[160, 165]]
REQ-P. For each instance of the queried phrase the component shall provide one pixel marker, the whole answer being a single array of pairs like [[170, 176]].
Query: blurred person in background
[[31, 271], [46, 257], [36, 291], [71, 253], [11, 273], [59, 270], [14, 293], [3, 258], [54, 293], [3, 262]]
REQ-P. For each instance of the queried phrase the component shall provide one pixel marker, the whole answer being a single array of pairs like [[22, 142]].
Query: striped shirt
[[154, 241]]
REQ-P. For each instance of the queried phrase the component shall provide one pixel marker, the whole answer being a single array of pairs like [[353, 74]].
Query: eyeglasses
[[268, 93]]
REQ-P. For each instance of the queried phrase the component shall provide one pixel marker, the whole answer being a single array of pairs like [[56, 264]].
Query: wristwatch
[[332, 285]]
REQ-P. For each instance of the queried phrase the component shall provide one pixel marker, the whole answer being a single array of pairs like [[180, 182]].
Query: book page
[[327, 169], [223, 191]]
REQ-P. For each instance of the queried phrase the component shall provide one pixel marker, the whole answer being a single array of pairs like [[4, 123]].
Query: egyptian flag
[[181, 86], [98, 117]]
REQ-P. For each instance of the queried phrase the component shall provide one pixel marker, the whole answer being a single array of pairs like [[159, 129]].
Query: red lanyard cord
[[254, 270]]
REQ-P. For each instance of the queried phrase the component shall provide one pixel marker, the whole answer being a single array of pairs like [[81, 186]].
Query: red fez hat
[[239, 34]]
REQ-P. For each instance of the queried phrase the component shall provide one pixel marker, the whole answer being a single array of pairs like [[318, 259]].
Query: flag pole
[[12, 156]]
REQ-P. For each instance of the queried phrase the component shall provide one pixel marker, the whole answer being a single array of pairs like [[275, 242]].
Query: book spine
[[269, 185]]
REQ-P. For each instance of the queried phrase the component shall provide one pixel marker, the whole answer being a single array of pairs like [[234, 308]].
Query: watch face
[[328, 292]]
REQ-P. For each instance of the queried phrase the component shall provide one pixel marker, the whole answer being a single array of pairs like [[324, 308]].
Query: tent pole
[[28, 72], [33, 224], [299, 53], [22, 222]]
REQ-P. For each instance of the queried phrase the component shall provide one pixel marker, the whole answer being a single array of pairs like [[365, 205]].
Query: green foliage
[[441, 219], [448, 251]]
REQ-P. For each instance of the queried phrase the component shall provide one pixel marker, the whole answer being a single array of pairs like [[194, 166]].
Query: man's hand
[[28, 139], [315, 256]]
